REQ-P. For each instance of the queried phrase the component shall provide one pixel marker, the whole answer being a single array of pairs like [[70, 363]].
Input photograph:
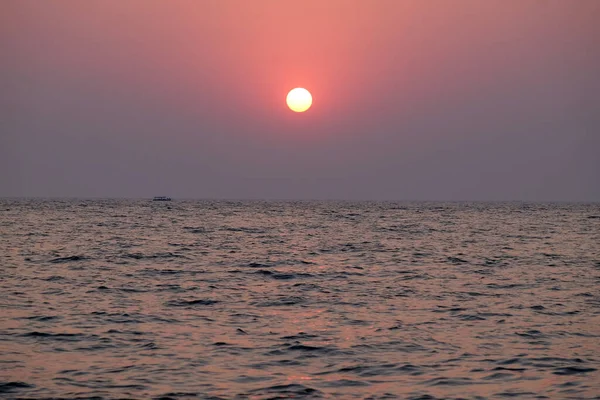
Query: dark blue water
[[265, 300]]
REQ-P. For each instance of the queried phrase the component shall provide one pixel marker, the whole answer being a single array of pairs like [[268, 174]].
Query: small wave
[[192, 229], [349, 273], [303, 347], [345, 383], [476, 294], [37, 234], [193, 302], [532, 333], [498, 375], [411, 277], [508, 286], [131, 290], [116, 331], [61, 260], [141, 256], [493, 314], [120, 369], [43, 318], [245, 230], [573, 370], [369, 371], [263, 272], [509, 361], [44, 334], [410, 369], [287, 391], [471, 317], [283, 301], [180, 395], [166, 271], [509, 369], [443, 381], [54, 278], [149, 346], [257, 265], [456, 260], [298, 336], [281, 276], [514, 393], [57, 336], [7, 387], [306, 350], [118, 318], [443, 309]]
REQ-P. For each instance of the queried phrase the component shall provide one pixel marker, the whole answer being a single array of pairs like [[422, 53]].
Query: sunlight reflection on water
[[299, 299]]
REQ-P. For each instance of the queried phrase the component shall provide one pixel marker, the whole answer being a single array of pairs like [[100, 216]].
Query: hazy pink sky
[[440, 100]]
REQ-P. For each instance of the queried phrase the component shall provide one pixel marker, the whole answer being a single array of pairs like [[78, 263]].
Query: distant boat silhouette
[[161, 198]]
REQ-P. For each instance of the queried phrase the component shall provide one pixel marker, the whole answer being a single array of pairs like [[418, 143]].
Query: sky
[[412, 100]]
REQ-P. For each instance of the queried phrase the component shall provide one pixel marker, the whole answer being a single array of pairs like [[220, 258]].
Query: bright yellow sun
[[299, 100]]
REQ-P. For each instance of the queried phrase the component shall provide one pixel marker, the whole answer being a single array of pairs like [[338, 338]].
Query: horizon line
[[275, 199]]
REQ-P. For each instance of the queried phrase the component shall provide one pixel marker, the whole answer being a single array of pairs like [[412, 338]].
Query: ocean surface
[[276, 300]]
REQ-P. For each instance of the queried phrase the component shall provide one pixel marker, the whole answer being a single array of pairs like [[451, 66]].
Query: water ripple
[[270, 300]]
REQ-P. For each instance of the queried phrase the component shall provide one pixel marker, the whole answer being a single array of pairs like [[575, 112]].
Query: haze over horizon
[[462, 100]]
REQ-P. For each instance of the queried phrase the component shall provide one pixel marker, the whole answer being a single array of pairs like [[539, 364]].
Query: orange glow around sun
[[299, 100]]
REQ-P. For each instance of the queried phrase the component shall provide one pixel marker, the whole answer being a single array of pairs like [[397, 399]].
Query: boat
[[161, 198]]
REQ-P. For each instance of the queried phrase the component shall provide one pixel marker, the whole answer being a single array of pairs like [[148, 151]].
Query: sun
[[299, 100]]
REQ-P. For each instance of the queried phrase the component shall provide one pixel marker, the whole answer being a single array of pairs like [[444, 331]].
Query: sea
[[135, 299]]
